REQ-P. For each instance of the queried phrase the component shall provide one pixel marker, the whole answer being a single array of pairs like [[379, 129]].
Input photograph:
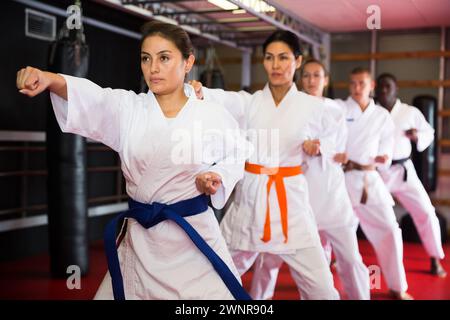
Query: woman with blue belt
[[174, 153]]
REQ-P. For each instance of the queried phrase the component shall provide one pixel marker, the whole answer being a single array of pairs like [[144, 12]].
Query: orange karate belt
[[276, 175]]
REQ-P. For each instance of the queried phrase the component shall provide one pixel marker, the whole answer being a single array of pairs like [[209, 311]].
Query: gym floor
[[29, 279]]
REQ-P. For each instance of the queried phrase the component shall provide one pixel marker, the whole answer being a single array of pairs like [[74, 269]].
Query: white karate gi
[[370, 134], [160, 262], [335, 219], [411, 193], [296, 118]]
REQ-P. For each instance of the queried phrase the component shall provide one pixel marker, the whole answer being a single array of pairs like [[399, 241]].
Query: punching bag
[[329, 91], [426, 162], [66, 163], [212, 78]]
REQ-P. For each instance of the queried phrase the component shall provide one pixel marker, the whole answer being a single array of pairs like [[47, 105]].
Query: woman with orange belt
[[334, 214], [271, 211]]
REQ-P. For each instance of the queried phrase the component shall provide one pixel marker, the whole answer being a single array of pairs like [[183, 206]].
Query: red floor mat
[[29, 278]]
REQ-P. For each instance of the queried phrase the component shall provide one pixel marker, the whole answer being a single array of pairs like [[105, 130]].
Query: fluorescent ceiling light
[[239, 11], [224, 4], [258, 5]]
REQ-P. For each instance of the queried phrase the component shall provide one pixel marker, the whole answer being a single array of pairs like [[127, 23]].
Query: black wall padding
[[426, 162], [66, 161], [409, 231]]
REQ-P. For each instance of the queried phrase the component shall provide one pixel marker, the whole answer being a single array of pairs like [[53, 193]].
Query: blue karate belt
[[149, 215], [402, 163]]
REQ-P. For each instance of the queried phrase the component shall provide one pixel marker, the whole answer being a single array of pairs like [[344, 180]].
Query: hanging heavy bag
[[426, 162], [212, 76], [66, 162]]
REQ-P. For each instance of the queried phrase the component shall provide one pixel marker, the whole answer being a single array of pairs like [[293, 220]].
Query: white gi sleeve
[[324, 127], [342, 134], [232, 150], [387, 139], [425, 133], [235, 103], [93, 112]]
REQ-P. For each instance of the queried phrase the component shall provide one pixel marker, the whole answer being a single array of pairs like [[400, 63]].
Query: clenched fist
[[32, 81], [412, 135], [382, 159], [341, 158], [311, 147], [208, 182]]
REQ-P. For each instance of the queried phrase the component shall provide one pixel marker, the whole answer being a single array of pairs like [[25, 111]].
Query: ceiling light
[[224, 4]]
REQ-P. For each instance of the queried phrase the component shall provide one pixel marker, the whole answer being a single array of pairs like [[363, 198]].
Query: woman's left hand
[[382, 159], [208, 182], [312, 147], [197, 85], [341, 158], [412, 135]]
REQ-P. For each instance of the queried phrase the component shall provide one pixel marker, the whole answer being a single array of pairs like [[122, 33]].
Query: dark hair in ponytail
[[286, 37], [171, 32]]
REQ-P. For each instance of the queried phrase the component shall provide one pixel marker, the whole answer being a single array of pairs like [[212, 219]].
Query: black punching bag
[[212, 78], [66, 162], [426, 162]]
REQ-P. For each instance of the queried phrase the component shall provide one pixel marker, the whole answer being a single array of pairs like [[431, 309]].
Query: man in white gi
[[370, 145], [401, 177]]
